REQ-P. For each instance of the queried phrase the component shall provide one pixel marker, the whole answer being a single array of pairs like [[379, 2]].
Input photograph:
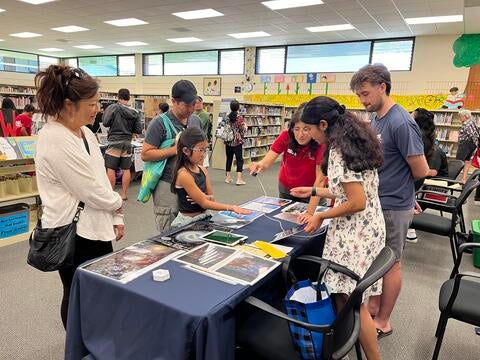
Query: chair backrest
[[471, 184], [454, 168], [341, 340]]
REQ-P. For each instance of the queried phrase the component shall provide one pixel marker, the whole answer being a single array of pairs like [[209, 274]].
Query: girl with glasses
[[191, 182]]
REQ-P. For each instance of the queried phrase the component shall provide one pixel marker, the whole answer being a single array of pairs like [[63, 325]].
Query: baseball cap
[[184, 90]]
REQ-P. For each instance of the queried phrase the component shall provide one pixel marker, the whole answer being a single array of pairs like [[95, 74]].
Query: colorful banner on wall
[[409, 102]]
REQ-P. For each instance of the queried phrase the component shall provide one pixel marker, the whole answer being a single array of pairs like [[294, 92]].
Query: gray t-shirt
[[401, 138], [156, 134]]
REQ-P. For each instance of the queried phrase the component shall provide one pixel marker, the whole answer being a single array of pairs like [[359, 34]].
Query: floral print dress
[[354, 240]]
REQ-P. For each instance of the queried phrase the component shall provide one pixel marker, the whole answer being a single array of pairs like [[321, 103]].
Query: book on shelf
[[453, 135], [443, 119]]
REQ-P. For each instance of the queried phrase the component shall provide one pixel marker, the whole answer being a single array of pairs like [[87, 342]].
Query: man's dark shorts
[[119, 155]]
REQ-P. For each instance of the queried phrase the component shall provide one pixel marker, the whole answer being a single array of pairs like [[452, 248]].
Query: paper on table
[[431, 182]]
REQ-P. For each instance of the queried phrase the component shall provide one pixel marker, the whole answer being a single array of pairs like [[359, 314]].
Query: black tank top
[[184, 206]]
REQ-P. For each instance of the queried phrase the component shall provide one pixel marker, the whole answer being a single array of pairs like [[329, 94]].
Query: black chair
[[440, 225], [459, 299], [450, 204], [455, 167], [265, 334]]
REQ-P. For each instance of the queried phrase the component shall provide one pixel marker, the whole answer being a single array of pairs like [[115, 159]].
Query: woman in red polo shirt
[[302, 158]]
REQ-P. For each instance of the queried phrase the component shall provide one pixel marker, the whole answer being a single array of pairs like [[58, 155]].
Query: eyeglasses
[[201, 151]]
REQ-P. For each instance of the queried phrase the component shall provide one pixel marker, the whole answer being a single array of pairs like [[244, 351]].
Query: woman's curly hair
[[354, 138]]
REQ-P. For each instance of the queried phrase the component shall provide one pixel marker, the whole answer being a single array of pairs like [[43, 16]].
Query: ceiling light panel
[[70, 29], [51, 49], [88, 47], [132, 43], [198, 14], [126, 22], [25, 35], [327, 28], [249, 35], [2, 10], [434, 19], [36, 2], [185, 40], [288, 4]]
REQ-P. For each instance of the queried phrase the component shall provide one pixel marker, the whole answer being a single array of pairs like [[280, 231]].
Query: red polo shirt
[[297, 169]]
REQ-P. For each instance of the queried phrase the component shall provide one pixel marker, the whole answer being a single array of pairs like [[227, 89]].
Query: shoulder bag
[[53, 249]]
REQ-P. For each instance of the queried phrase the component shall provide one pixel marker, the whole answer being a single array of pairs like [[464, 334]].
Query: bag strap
[[169, 128]]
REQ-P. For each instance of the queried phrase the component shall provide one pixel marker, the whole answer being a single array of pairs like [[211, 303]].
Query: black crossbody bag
[[53, 249]]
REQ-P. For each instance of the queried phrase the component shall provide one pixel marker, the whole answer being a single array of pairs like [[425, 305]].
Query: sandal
[[382, 334]]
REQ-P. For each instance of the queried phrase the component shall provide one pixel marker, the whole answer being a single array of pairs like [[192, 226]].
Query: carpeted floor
[[30, 326]]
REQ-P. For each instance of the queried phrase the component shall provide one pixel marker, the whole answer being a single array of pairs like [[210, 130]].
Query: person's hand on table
[[304, 217], [313, 224], [301, 191], [119, 231], [240, 211]]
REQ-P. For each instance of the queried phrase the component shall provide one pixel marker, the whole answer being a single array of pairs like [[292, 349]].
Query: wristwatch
[[314, 191]]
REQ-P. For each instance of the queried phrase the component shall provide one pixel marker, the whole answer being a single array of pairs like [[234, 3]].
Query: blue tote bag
[[309, 302]]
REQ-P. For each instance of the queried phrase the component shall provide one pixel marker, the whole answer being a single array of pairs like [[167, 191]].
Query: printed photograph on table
[[206, 256], [287, 233], [229, 221], [212, 86], [272, 200], [255, 206], [246, 267], [131, 262], [188, 236], [248, 217]]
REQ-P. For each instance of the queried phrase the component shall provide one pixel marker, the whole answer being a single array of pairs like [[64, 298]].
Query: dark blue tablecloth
[[189, 316]]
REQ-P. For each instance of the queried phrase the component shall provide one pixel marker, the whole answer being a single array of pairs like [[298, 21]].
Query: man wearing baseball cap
[[180, 114]]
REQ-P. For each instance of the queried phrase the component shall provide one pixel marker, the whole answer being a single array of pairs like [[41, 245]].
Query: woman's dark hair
[[356, 141], [8, 103], [296, 118], [164, 107], [426, 123], [234, 106], [188, 139], [60, 82]]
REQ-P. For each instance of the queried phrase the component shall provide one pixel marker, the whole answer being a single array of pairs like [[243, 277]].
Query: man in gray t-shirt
[[184, 95], [404, 162]]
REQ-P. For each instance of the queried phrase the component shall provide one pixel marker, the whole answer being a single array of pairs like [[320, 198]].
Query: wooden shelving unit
[[21, 95]]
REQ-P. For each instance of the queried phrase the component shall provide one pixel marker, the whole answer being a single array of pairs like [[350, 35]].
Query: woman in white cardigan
[[68, 172]]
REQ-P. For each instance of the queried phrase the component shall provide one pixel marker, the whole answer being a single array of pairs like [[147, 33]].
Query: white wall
[[432, 71]]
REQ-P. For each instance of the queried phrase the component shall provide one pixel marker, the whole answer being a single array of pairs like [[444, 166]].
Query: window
[[46, 61], [73, 62], [153, 64], [271, 60], [99, 65], [340, 57], [126, 65], [232, 62], [394, 54], [191, 63], [18, 62]]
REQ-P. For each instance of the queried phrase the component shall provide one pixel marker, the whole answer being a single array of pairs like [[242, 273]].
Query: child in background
[[191, 183], [301, 160]]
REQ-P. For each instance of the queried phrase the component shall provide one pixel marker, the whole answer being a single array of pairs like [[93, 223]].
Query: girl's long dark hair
[[293, 144], [426, 123], [189, 138], [234, 106], [354, 138]]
